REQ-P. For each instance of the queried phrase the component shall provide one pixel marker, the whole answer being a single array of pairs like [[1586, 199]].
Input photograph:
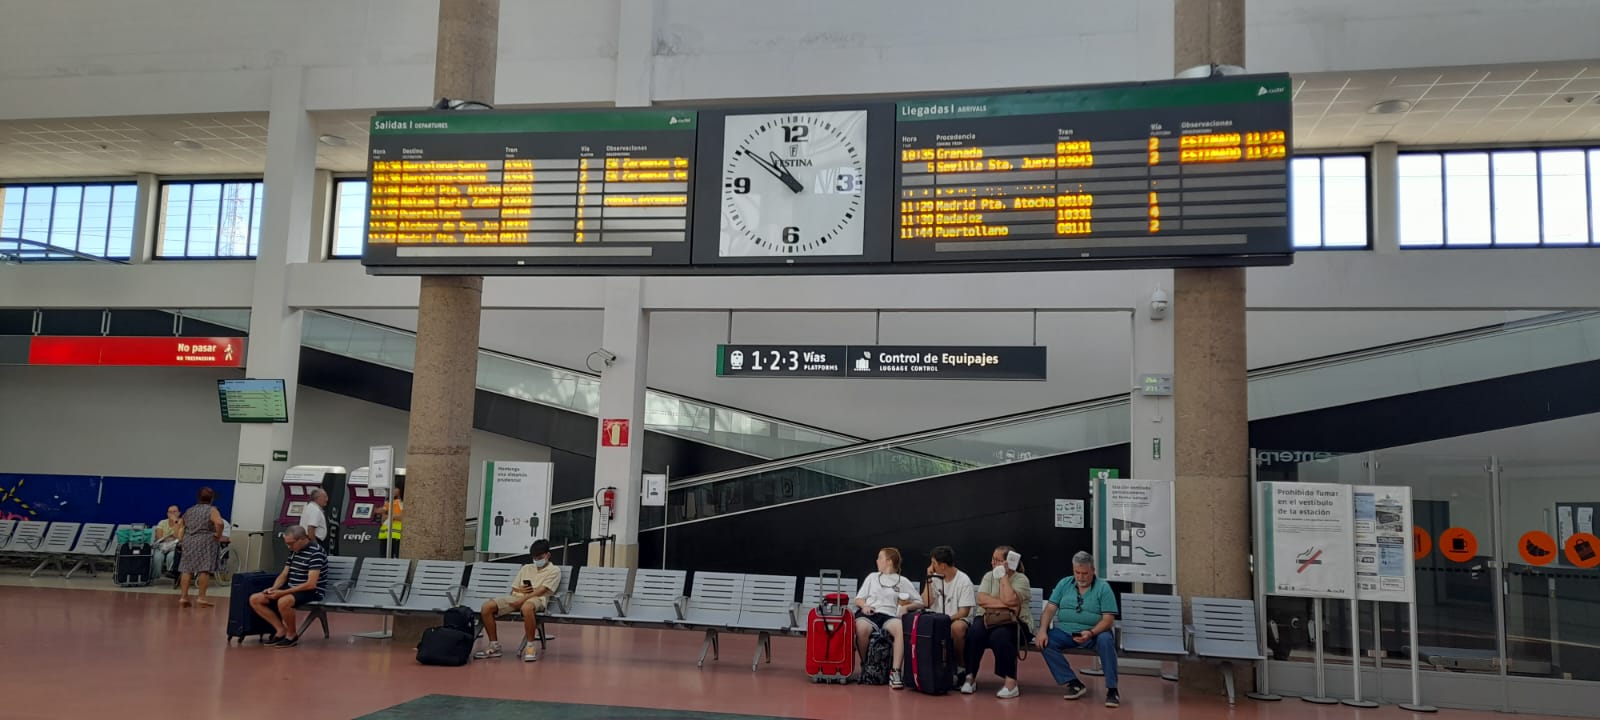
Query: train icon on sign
[[736, 360]]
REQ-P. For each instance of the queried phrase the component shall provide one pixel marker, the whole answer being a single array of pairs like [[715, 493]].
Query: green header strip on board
[[1269, 565], [1271, 89], [488, 502], [469, 122]]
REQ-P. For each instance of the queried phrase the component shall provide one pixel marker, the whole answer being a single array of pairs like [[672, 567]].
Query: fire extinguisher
[[606, 504]]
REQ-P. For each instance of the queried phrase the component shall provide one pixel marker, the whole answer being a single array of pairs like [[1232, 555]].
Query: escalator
[[996, 481]]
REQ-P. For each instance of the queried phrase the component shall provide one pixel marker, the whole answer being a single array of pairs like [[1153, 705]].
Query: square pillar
[[626, 334]]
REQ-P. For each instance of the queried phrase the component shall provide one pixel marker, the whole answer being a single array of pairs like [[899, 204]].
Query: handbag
[[999, 617]]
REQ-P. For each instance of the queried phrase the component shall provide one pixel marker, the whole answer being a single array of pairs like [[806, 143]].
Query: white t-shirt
[[950, 597], [883, 593], [312, 516]]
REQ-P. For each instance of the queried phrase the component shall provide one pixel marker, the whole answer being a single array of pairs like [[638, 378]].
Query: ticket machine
[[298, 482], [359, 536]]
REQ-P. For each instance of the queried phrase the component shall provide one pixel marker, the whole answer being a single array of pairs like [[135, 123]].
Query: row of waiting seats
[[1150, 626], [58, 543]]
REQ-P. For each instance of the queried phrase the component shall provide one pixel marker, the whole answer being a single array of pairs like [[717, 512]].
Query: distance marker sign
[[882, 361]]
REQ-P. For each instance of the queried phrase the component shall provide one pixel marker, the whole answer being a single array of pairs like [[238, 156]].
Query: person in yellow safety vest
[[391, 521]]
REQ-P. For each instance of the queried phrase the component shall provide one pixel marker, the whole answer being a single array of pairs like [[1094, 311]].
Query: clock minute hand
[[778, 171]]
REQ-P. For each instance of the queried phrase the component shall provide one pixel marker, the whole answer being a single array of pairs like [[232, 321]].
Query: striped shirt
[[312, 557]]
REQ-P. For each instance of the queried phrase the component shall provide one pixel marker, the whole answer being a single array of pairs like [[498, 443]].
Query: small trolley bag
[[242, 619], [929, 663], [132, 565], [830, 633]]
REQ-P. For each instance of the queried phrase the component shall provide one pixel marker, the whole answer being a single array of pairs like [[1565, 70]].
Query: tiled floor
[[82, 653]]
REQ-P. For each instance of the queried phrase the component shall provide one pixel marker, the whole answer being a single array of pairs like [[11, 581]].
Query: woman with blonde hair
[[884, 596]]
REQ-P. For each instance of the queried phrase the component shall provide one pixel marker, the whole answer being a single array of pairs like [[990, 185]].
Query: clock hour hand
[[775, 166]]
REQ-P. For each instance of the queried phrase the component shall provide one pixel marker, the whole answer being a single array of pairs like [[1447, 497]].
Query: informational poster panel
[[1308, 528], [1134, 524], [653, 491], [516, 506], [1384, 569], [380, 464]]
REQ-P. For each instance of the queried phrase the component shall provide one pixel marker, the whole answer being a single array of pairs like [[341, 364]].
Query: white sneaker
[[492, 651], [1008, 693], [969, 687], [530, 655]]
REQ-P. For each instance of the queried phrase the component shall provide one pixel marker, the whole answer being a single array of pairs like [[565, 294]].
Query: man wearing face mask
[[530, 595]]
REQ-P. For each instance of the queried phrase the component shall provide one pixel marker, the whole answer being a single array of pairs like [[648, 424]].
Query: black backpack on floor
[[880, 659], [450, 644]]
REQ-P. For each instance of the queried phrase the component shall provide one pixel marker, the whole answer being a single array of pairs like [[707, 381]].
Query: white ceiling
[[1488, 105]]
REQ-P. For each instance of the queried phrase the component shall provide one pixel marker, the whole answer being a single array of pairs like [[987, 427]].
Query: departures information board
[[515, 189], [1170, 169]]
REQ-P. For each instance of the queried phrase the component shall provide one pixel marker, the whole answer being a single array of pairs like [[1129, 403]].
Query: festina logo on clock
[[793, 183]]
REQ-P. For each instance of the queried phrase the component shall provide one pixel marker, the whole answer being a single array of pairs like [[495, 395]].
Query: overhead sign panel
[[519, 188], [137, 351], [1169, 169], [882, 361]]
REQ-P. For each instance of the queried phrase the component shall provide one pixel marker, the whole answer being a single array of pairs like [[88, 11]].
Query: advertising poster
[[1134, 526], [516, 506], [1383, 543], [1309, 538]]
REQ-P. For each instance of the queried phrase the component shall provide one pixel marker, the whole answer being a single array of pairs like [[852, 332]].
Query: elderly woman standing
[[202, 546]]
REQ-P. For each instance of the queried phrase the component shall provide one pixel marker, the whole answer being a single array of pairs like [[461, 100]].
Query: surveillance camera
[[1159, 304], [606, 356]]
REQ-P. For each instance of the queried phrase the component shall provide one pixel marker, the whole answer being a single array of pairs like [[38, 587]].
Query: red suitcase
[[830, 634]]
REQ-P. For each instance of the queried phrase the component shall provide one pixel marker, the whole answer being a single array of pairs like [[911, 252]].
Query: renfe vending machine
[[359, 536], [298, 482]]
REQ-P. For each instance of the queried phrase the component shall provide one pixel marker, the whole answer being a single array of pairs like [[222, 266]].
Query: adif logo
[[358, 537], [1264, 90]]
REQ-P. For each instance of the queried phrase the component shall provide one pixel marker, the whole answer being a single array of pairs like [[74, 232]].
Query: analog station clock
[[793, 185]]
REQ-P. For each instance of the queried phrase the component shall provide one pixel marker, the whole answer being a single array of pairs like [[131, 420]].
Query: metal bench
[[25, 538], [381, 584], [814, 588], [595, 598], [488, 581], [341, 572], [713, 605], [766, 606], [1225, 630], [1152, 625], [7, 526], [57, 544], [656, 599], [97, 543], [435, 586]]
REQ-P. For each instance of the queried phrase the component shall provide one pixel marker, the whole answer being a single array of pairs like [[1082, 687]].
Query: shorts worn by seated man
[[548, 576]]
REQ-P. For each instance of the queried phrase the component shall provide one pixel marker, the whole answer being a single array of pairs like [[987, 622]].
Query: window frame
[[331, 251], [1322, 200], [252, 228], [112, 183], [1591, 166]]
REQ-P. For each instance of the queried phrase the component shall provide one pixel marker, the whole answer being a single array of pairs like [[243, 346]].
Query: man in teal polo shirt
[[1079, 614]]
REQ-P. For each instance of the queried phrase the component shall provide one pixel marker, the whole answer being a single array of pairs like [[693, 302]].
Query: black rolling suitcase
[[929, 665], [243, 621], [132, 565]]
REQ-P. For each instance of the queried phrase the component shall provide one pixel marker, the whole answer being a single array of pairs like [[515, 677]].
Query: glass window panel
[[233, 224], [96, 213], [1466, 199], [1594, 195], [64, 217], [1305, 210], [175, 231], [1344, 188], [256, 205], [205, 207], [11, 211], [350, 226], [1516, 198], [123, 201], [1563, 197], [1421, 201], [36, 213]]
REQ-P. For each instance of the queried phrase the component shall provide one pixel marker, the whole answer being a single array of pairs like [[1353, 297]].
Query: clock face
[[793, 184]]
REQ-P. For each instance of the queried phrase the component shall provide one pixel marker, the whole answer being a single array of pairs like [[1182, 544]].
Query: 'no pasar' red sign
[[137, 351]]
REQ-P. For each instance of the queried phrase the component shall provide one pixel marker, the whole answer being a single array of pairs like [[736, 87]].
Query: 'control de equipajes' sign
[[882, 361]]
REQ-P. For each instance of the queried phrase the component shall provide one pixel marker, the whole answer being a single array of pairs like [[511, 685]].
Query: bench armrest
[[399, 591], [454, 595], [680, 605], [621, 602]]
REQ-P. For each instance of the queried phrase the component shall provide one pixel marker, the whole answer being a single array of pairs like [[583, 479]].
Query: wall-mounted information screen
[[253, 401], [518, 189], [1170, 169]]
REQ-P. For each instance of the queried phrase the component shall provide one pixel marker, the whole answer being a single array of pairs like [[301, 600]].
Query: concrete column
[[273, 350], [449, 312], [1151, 418], [1211, 397], [1386, 198], [146, 218], [636, 53], [625, 333], [320, 231]]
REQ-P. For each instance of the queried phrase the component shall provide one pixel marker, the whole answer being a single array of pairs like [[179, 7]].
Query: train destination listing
[[1078, 173], [582, 179]]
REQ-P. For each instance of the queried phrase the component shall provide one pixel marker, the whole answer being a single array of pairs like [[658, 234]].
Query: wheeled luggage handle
[[823, 585]]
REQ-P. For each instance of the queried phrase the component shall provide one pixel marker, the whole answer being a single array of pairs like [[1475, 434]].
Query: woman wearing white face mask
[[530, 595], [1003, 624]]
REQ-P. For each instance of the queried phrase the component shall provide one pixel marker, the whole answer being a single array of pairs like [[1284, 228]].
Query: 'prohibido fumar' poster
[[1309, 542]]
